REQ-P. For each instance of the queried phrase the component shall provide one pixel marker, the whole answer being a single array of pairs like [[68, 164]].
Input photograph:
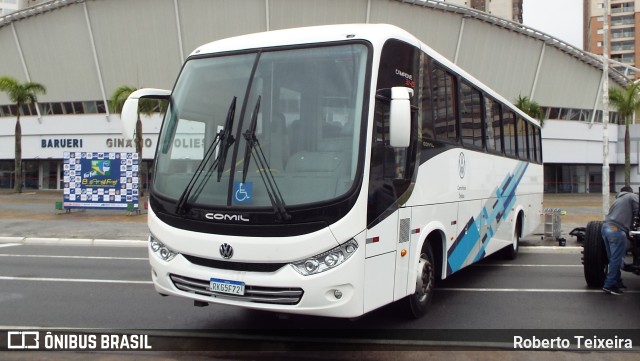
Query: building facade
[[508, 9], [623, 35], [9, 6], [82, 50], [45, 141]]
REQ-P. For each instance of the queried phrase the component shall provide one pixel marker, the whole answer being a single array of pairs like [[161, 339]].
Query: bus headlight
[[326, 260], [162, 251]]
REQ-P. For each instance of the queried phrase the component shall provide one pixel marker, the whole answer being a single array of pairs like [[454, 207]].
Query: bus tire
[[511, 252], [418, 303], [594, 256]]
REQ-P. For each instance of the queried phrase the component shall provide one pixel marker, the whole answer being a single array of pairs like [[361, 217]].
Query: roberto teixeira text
[[577, 342]]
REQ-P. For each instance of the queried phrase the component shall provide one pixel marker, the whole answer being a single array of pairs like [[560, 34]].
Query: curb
[[551, 249], [72, 242]]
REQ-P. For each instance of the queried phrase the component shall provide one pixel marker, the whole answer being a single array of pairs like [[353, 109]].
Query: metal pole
[[605, 109]]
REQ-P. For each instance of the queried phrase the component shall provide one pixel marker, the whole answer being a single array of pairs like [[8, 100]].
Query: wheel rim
[[423, 282]]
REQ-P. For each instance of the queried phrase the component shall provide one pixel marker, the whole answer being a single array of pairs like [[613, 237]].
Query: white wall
[[573, 142], [94, 132]]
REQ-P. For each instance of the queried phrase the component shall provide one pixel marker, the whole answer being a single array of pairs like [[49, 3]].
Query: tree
[[145, 106], [20, 94], [531, 108], [626, 101]]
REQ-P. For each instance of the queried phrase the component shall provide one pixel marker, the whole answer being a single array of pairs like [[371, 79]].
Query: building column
[[95, 59]]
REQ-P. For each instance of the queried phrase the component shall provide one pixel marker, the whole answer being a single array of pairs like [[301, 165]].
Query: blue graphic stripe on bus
[[470, 245]]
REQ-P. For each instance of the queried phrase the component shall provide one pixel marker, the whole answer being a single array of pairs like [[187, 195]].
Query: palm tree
[[20, 94], [626, 101], [531, 108], [145, 106]]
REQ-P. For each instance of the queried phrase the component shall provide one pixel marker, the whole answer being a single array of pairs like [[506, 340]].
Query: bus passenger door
[[379, 263], [391, 176]]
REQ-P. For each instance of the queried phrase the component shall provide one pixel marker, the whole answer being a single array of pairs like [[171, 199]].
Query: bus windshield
[[301, 109]]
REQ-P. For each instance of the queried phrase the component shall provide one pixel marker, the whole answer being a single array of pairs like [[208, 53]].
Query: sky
[[563, 22]]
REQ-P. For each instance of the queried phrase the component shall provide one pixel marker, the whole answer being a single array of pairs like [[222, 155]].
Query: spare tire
[[594, 255]]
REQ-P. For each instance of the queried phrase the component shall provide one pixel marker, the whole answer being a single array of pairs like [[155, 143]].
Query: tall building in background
[[623, 22], [508, 9], [9, 6]]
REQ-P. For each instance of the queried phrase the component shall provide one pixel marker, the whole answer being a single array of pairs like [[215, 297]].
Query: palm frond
[[119, 96], [7, 82], [625, 100], [21, 93], [530, 107]]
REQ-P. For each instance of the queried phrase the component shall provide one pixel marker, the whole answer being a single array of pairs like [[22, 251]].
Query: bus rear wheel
[[418, 303], [511, 252]]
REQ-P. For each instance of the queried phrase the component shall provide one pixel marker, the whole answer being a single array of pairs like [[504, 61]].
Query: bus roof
[[374, 33]]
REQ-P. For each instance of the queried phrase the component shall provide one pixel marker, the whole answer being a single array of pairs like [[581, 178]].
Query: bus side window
[[427, 103], [521, 129], [493, 125], [382, 154], [443, 85], [470, 116], [531, 141], [538, 144], [509, 129]]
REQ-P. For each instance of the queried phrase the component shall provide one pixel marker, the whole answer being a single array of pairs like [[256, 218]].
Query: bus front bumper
[[333, 293]]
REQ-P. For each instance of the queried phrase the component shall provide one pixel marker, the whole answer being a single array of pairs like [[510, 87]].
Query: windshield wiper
[[254, 149], [224, 140]]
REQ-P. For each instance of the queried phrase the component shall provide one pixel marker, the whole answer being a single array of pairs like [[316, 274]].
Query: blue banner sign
[[101, 180]]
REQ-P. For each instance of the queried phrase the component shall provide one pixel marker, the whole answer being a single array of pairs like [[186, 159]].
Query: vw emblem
[[226, 251], [461, 165]]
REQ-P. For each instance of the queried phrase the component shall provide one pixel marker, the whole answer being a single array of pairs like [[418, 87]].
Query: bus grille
[[234, 266], [255, 294]]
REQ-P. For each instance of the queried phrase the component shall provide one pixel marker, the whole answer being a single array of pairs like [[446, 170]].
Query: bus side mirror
[[400, 117], [129, 114]]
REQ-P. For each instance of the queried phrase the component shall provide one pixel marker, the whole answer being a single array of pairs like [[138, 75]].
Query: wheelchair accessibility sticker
[[242, 193]]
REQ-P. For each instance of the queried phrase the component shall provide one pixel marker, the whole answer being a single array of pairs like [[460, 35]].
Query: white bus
[[332, 170]]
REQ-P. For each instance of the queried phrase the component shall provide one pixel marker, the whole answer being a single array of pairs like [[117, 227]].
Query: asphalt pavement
[[31, 217]]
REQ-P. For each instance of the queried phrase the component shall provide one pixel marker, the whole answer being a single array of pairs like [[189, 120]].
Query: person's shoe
[[612, 290], [622, 286]]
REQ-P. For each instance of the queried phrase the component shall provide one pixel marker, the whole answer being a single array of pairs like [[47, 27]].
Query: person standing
[[615, 231]]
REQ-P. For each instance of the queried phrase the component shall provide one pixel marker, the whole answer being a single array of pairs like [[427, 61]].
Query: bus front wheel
[[418, 303]]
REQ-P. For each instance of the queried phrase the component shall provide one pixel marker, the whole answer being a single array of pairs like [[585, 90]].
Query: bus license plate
[[227, 286]]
